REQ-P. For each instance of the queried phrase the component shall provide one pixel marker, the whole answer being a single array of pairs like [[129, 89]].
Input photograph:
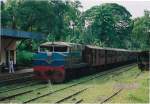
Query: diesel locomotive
[[59, 61]]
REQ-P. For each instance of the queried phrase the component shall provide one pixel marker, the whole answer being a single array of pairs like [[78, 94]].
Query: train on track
[[60, 61], [144, 60]]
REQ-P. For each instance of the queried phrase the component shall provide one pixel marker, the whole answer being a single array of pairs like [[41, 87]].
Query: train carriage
[[107, 57]]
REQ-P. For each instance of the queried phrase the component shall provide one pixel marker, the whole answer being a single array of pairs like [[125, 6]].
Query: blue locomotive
[[56, 59]]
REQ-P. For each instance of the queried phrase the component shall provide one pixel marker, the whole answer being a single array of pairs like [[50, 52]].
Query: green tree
[[141, 32], [50, 17], [9, 14], [111, 24]]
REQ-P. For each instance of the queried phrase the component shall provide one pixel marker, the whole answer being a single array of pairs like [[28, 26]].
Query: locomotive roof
[[61, 44], [106, 48]]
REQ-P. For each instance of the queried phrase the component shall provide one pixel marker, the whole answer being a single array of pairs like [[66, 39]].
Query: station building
[[8, 39]]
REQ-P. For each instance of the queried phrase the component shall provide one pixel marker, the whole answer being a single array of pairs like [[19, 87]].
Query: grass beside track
[[134, 89], [133, 83]]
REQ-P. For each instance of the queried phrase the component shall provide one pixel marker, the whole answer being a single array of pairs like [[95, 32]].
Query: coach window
[[46, 48]]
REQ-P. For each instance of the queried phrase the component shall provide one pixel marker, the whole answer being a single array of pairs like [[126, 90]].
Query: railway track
[[91, 77], [81, 82], [76, 101], [22, 92], [109, 97], [16, 79], [16, 87], [70, 96], [11, 87], [138, 74], [17, 74]]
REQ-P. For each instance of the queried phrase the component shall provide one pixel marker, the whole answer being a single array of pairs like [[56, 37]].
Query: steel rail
[[8, 97], [20, 87], [117, 92], [68, 97], [138, 74], [21, 93], [79, 101], [6, 82], [111, 96]]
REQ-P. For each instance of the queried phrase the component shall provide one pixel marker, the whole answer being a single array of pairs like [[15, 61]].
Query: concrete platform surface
[[21, 71]]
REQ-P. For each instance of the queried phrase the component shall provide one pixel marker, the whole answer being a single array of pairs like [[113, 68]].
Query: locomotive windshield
[[54, 49]]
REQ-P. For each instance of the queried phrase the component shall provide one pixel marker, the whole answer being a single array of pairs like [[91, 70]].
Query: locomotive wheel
[[58, 77]]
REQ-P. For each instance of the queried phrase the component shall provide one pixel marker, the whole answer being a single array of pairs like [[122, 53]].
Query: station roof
[[21, 34]]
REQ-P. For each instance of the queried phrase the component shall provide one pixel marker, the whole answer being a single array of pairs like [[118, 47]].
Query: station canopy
[[11, 33]]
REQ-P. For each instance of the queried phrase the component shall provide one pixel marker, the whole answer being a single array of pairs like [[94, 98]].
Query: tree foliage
[[106, 25], [111, 23], [24, 58], [51, 17], [141, 32]]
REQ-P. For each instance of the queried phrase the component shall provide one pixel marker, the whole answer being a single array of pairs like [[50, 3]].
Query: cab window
[[54, 49]]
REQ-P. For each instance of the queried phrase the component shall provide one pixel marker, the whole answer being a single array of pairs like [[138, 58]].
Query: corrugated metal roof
[[21, 34]]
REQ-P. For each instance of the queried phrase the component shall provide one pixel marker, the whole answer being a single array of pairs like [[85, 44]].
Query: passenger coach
[[105, 58]]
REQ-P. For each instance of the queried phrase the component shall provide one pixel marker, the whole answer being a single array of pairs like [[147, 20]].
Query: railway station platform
[[20, 72]]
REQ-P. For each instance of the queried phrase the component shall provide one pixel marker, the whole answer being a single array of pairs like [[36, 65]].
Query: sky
[[135, 7]]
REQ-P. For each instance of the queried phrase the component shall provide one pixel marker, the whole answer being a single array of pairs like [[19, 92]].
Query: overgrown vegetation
[[24, 58], [134, 90]]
